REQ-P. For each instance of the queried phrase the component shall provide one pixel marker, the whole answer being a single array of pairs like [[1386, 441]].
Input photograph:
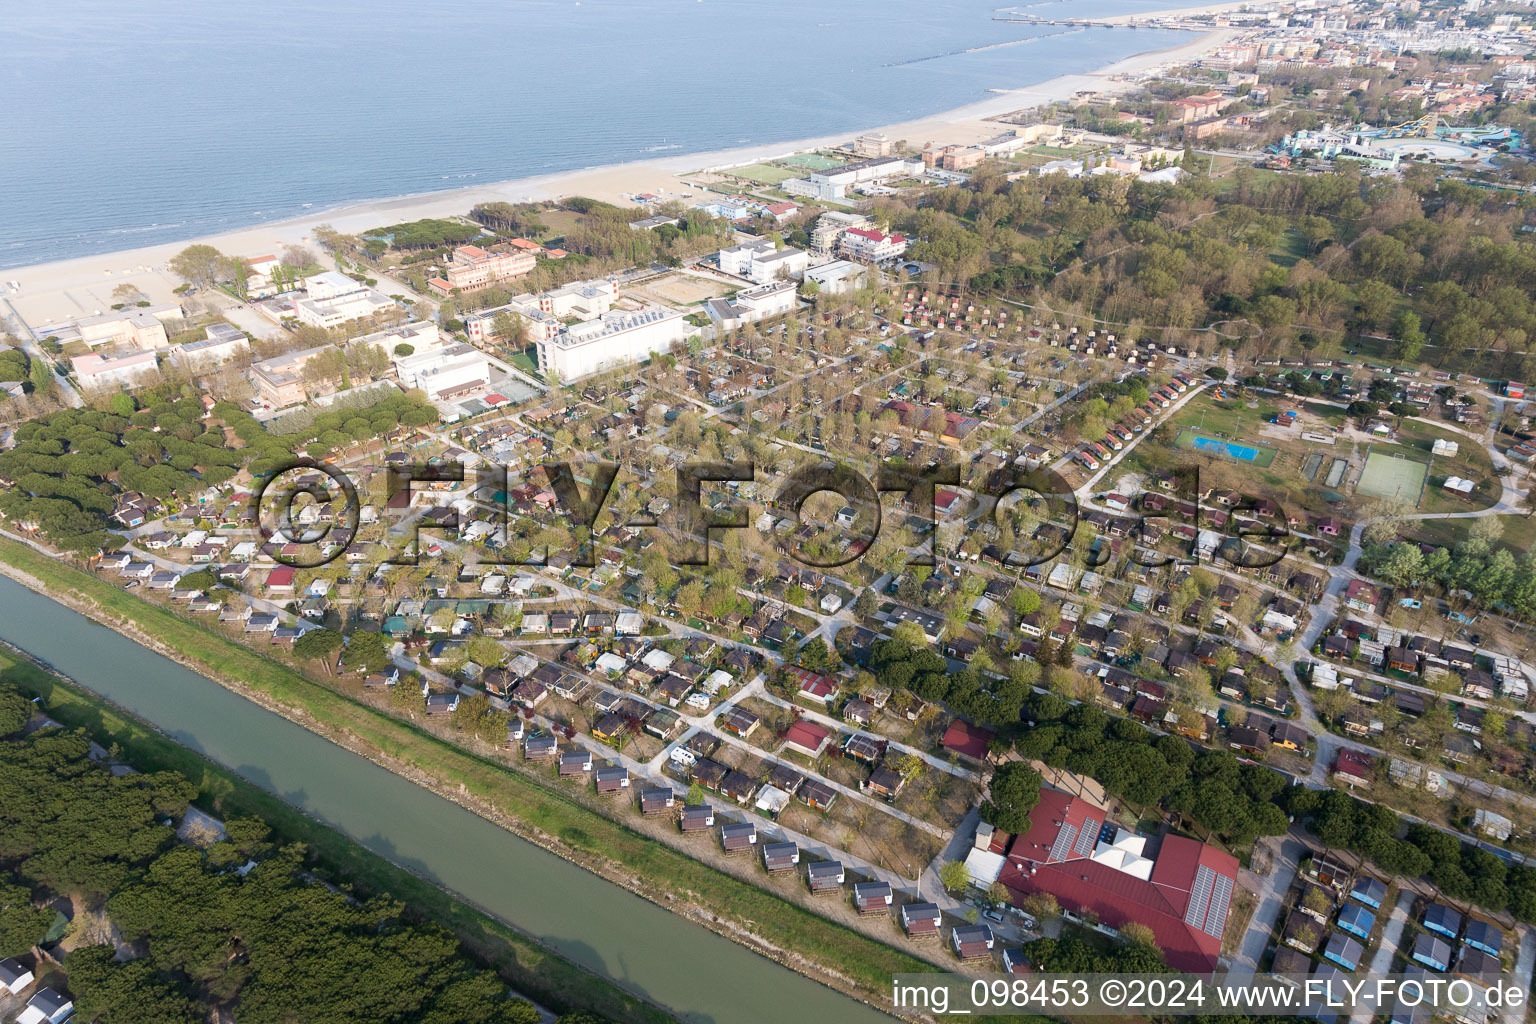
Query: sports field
[[1235, 450], [811, 161], [1391, 476], [763, 174]]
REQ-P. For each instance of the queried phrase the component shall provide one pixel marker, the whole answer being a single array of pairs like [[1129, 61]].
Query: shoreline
[[617, 872], [64, 289]]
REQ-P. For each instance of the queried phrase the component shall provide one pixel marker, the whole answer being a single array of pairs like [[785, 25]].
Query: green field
[[811, 162], [763, 174], [1391, 477]]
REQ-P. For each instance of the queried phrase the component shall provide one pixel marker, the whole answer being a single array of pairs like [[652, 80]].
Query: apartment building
[[98, 371], [613, 339], [221, 343], [471, 268], [140, 327], [445, 373], [332, 299], [279, 381], [546, 312], [761, 260], [870, 245], [871, 145], [753, 304]]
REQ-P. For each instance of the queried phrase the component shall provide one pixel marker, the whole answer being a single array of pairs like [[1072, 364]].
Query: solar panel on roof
[[1221, 900], [1087, 837], [1063, 844], [1200, 898]]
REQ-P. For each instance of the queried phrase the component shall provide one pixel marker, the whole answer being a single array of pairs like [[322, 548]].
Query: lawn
[[763, 174], [538, 809]]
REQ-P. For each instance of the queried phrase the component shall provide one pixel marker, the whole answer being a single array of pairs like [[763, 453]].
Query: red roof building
[[1181, 889], [967, 740], [280, 578], [807, 738], [814, 686]]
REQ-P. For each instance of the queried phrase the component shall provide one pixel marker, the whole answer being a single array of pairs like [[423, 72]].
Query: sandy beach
[[50, 292]]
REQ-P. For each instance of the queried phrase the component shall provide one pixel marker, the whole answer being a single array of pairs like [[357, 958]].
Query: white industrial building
[[752, 304], [761, 260], [221, 343], [96, 371], [615, 338], [544, 312], [837, 277], [445, 373], [332, 299]]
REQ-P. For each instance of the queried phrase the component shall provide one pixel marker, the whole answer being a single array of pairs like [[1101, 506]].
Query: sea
[[132, 124]]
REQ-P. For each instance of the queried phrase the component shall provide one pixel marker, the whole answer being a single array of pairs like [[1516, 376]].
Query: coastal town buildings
[[612, 339], [96, 371], [471, 267], [332, 299]]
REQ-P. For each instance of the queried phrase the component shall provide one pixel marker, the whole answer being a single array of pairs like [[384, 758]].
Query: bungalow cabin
[[1483, 935], [697, 818], [780, 856], [662, 723], [817, 795], [610, 727], [529, 693], [1354, 769], [814, 688], [46, 1007], [1479, 966], [1302, 932], [1357, 920], [1410, 702], [863, 747], [442, 703], [1290, 962], [972, 941], [1369, 891], [1289, 736], [859, 711], [920, 920], [786, 778], [709, 773], [1248, 739], [1432, 951], [1442, 920], [15, 976], [872, 897], [1014, 961], [613, 779], [824, 877], [1330, 872], [575, 762], [738, 837], [736, 785], [540, 748], [808, 738], [740, 722], [1343, 950], [657, 800], [886, 782]]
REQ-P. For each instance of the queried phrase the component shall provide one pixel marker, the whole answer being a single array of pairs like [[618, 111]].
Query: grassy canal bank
[[527, 965], [796, 937]]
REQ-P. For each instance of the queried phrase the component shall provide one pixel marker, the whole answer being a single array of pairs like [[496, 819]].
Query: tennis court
[[1231, 449], [1391, 476]]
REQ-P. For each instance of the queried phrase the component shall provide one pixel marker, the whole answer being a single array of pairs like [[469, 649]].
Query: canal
[[683, 966]]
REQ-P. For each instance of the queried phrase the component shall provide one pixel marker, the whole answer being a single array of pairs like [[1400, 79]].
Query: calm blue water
[[130, 124]]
